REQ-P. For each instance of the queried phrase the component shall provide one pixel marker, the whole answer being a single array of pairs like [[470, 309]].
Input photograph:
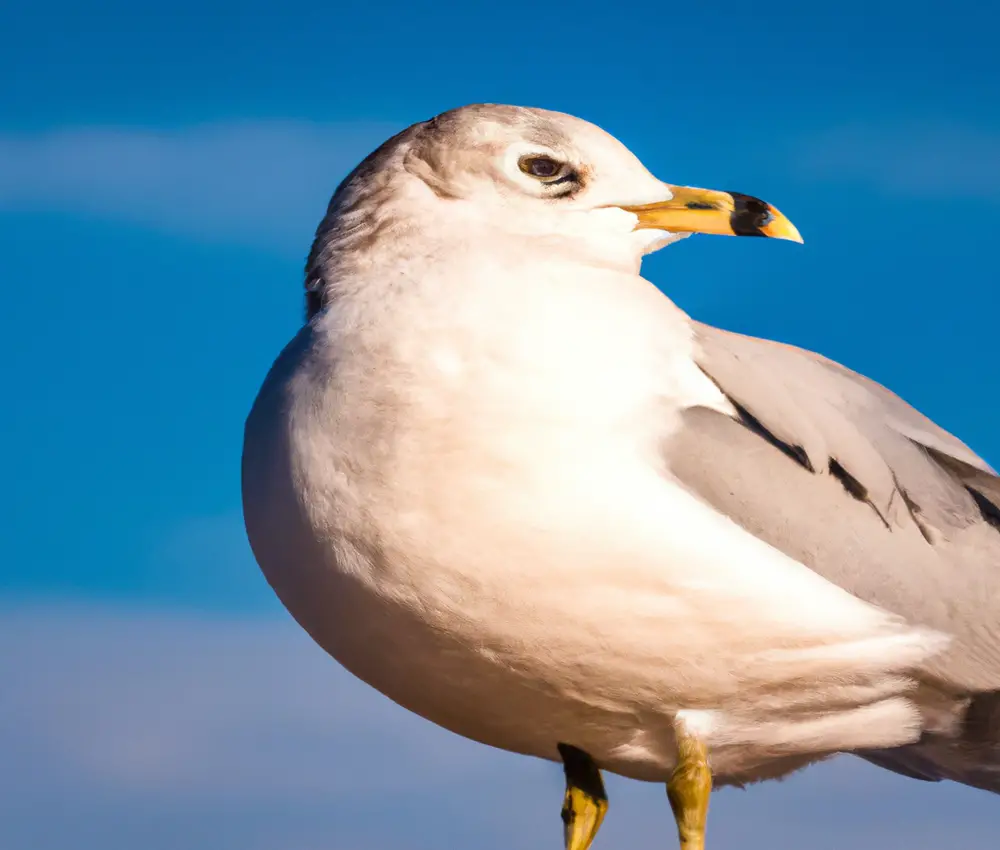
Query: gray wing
[[844, 476]]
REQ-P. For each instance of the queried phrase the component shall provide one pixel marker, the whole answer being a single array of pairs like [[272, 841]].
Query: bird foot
[[689, 788], [585, 802]]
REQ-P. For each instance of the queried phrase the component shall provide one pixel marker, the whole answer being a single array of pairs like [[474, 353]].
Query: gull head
[[498, 175]]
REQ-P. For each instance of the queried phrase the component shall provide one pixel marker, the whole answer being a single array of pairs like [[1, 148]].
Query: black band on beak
[[749, 216]]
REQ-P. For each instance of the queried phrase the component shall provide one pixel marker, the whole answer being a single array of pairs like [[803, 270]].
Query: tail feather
[[972, 758]]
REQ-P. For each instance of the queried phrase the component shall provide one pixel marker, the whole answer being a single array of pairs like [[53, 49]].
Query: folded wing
[[847, 478]]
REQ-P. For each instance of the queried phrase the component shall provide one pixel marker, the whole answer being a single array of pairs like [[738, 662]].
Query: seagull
[[504, 480]]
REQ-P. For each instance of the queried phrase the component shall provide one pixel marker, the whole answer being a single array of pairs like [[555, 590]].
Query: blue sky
[[161, 172]]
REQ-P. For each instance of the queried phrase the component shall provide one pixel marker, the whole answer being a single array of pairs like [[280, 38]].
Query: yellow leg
[[689, 788], [585, 802]]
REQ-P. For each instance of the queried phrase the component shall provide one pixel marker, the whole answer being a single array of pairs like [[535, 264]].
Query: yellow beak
[[693, 210]]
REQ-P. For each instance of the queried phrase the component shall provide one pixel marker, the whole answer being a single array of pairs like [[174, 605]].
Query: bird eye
[[544, 168]]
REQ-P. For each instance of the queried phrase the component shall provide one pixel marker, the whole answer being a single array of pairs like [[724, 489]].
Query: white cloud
[[126, 728], [265, 182], [918, 160]]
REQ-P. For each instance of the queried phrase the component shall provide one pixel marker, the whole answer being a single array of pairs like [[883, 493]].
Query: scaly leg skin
[[689, 788], [585, 802]]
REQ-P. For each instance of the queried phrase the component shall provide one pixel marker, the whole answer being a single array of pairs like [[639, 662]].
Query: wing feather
[[843, 475]]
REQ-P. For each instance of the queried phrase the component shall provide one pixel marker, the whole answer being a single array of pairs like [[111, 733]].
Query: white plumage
[[457, 478]]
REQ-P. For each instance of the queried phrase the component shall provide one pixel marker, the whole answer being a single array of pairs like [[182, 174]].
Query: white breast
[[463, 506]]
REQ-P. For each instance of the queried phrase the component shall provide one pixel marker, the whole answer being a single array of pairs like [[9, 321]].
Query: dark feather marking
[[990, 512], [314, 302], [751, 422], [854, 487], [851, 484], [982, 719], [915, 513], [896, 762]]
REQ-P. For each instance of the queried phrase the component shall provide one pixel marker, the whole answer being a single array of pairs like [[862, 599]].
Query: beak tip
[[781, 228]]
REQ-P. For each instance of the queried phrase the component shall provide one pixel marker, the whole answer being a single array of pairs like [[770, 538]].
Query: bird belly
[[519, 634], [496, 584]]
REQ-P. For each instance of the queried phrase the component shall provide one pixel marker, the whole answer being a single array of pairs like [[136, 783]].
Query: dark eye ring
[[544, 168]]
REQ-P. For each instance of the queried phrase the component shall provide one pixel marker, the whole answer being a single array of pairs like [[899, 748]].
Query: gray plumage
[[843, 475]]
